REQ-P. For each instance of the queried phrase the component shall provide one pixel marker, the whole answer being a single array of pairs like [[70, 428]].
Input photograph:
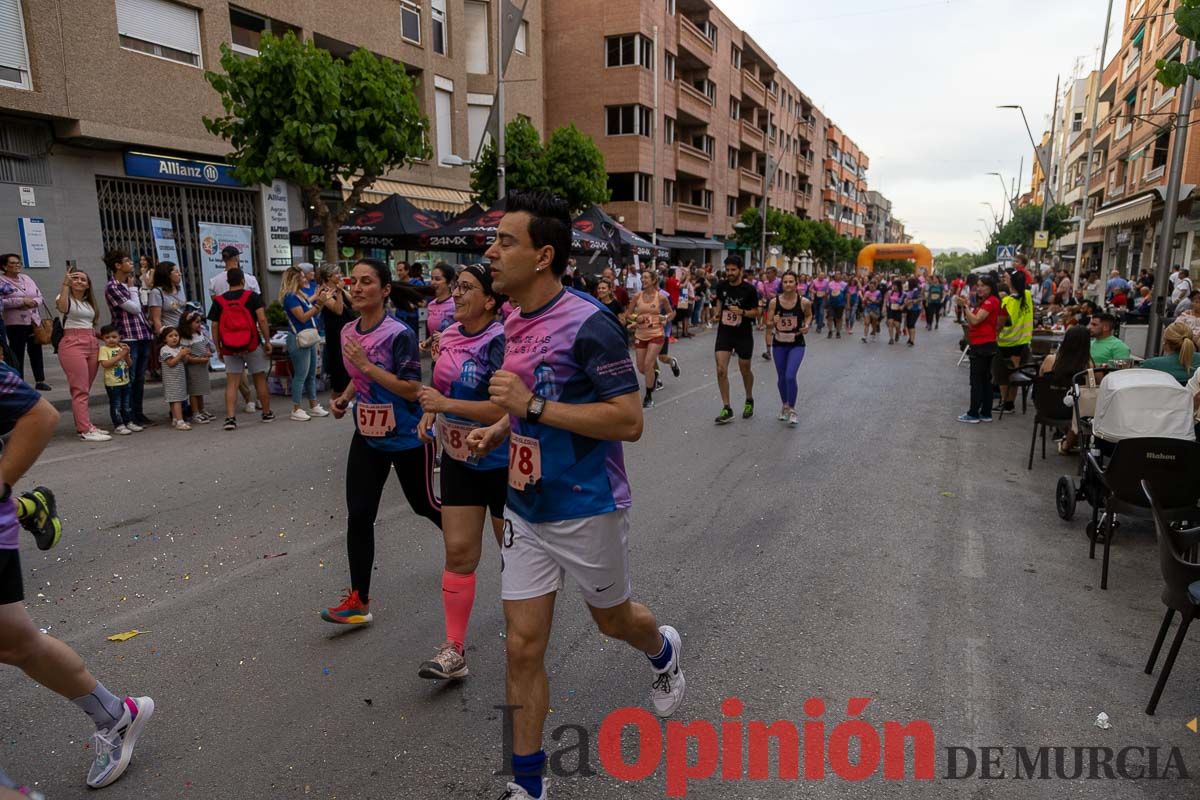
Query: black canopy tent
[[596, 222], [474, 230], [394, 224]]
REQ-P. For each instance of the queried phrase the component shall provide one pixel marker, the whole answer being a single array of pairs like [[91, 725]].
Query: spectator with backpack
[[243, 340]]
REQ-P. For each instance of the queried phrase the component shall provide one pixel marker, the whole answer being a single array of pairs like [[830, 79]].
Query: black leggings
[[367, 471], [20, 337]]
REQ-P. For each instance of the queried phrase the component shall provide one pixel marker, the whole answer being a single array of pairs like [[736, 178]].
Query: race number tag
[[376, 419], [454, 439], [524, 462], [728, 317], [785, 329]]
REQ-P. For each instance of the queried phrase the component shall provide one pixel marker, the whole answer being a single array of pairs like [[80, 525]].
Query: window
[[443, 100], [702, 198], [709, 30], [160, 28], [479, 110], [1161, 146], [707, 87], [24, 153], [629, 50], [1077, 122], [522, 43], [669, 128], [630, 187], [628, 120], [669, 64], [246, 30], [437, 12], [736, 57], [410, 21], [733, 158], [668, 192], [14, 54], [730, 206], [703, 142], [735, 108], [478, 52]]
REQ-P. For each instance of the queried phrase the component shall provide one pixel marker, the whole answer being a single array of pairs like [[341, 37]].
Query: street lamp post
[[1046, 201], [1012, 203]]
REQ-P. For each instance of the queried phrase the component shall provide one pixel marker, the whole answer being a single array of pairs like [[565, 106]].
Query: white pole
[[501, 164], [655, 187]]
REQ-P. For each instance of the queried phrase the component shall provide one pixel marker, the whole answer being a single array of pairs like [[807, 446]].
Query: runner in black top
[[736, 309], [788, 318]]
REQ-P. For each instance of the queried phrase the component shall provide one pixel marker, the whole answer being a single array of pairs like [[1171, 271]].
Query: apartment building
[[879, 218], [725, 115], [1135, 142], [843, 200], [1068, 153], [101, 104]]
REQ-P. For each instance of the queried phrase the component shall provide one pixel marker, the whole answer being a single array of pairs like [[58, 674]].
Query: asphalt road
[[880, 550]]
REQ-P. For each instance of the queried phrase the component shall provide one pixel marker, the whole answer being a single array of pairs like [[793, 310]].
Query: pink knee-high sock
[[458, 596]]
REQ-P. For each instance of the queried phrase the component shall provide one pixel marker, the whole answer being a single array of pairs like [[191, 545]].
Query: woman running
[[872, 309], [651, 310], [604, 293], [835, 306], [819, 289], [472, 349], [440, 310], [895, 311], [788, 318], [384, 363], [854, 298], [914, 299]]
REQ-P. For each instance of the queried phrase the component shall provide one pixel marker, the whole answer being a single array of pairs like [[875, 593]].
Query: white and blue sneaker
[[114, 747], [970, 419], [666, 693], [515, 792]]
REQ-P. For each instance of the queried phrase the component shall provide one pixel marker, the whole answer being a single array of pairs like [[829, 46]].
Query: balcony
[[1131, 65], [833, 165], [695, 43], [804, 166], [694, 103], [752, 137], [691, 218], [1115, 191], [692, 161], [829, 195], [753, 90], [749, 182], [1154, 174]]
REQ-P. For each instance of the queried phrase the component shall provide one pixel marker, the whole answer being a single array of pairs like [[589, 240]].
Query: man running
[[736, 308], [571, 397], [119, 721]]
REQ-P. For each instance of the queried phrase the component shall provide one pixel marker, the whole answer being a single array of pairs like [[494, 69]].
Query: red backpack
[[237, 330]]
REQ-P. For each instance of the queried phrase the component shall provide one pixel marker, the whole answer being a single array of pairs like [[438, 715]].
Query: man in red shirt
[[1023, 266], [672, 285]]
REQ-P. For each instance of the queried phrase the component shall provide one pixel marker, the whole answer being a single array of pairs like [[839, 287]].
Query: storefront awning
[[689, 243], [1123, 213], [430, 198]]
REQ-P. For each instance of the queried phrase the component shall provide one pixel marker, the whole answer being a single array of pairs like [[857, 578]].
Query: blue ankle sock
[[663, 658], [527, 772]]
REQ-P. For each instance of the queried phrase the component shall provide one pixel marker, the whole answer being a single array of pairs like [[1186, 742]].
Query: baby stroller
[[1142, 429]]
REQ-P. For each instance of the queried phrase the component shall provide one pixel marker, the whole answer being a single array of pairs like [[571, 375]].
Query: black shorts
[[480, 488], [11, 589], [683, 314], [895, 316], [1001, 366], [835, 312], [911, 318], [735, 340]]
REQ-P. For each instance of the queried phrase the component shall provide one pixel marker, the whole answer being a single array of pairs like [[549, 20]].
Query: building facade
[[696, 120], [101, 106], [879, 218]]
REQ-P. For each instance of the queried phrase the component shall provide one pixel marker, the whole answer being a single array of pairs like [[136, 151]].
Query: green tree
[[1026, 221], [297, 114], [574, 168], [954, 263], [901, 266], [525, 164]]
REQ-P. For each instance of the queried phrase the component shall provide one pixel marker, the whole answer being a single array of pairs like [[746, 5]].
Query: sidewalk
[[60, 395]]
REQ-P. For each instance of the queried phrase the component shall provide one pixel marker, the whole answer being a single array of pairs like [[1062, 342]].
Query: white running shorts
[[593, 550]]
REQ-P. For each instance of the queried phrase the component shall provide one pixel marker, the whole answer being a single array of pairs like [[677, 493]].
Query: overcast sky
[[915, 84]]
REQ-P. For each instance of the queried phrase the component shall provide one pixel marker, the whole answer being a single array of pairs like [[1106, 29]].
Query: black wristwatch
[[533, 412], [4, 498]]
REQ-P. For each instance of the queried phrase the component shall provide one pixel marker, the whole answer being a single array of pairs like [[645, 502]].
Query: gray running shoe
[[114, 747], [447, 664]]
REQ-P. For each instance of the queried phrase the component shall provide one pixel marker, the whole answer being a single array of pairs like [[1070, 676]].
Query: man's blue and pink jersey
[[572, 350], [16, 399], [392, 346], [463, 371]]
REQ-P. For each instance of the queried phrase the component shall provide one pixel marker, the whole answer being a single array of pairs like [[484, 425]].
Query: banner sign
[[169, 168], [213, 239], [165, 248], [35, 248], [277, 226]]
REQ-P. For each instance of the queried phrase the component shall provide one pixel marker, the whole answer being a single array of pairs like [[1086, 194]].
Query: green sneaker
[[748, 410], [42, 521], [725, 417]]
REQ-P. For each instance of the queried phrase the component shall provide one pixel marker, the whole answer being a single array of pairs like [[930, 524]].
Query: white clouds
[[915, 84]]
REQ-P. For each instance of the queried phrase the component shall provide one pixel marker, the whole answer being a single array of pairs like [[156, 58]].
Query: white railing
[[1154, 174], [1131, 64]]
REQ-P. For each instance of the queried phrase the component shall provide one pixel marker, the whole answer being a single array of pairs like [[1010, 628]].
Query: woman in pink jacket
[[22, 304]]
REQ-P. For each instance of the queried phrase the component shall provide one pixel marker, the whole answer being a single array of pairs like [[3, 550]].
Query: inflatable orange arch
[[896, 252]]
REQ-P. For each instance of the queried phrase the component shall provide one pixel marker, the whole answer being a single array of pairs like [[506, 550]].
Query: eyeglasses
[[461, 288]]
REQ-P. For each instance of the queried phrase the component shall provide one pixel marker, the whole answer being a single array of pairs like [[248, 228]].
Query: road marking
[[971, 563], [976, 687], [678, 397], [80, 454]]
